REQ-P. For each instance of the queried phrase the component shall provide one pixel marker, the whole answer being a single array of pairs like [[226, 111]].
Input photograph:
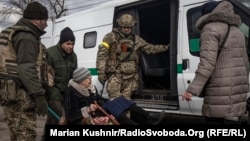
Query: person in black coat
[[79, 103]]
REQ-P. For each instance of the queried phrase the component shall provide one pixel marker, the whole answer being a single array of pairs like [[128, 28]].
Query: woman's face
[[87, 82]]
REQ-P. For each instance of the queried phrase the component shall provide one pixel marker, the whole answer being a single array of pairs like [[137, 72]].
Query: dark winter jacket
[[227, 75], [64, 64], [75, 100]]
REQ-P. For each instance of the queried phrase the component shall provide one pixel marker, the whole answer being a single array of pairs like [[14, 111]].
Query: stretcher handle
[[103, 111]]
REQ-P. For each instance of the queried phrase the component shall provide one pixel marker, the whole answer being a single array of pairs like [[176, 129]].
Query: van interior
[[153, 25]]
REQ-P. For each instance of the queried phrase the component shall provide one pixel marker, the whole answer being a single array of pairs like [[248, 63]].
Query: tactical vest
[[8, 64], [124, 48], [127, 56]]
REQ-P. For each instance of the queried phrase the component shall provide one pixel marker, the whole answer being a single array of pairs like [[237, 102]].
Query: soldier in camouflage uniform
[[23, 63], [118, 58]]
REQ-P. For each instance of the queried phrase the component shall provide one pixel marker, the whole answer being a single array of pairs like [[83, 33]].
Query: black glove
[[102, 78], [101, 100], [41, 105]]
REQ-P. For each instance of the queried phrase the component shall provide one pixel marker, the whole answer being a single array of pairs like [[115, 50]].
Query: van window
[[193, 34], [246, 3], [245, 29], [242, 8], [89, 40]]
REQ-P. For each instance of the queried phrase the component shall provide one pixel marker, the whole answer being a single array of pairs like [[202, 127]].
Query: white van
[[164, 76]]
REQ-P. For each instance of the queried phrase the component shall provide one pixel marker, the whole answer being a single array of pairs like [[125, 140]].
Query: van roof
[[102, 5], [115, 3]]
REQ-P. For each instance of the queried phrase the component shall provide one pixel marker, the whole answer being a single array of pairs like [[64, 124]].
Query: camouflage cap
[[126, 20]]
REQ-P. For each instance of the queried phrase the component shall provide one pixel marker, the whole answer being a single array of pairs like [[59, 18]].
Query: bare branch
[[56, 8]]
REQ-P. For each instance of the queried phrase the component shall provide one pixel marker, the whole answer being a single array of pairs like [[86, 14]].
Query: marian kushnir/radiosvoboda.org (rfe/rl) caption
[[197, 133]]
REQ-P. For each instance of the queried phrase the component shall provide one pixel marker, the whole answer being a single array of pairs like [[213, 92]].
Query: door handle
[[185, 64]]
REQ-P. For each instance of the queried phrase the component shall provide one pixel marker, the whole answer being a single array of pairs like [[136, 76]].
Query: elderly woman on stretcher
[[83, 105]]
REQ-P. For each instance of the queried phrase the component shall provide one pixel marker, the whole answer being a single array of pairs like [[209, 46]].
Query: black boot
[[124, 120], [155, 119]]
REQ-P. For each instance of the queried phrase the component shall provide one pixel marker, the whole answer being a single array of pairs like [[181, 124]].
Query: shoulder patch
[[105, 44]]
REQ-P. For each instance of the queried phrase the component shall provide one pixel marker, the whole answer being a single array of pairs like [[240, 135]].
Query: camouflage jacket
[[118, 51]]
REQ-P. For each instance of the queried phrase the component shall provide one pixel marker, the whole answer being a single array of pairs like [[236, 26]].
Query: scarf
[[81, 89]]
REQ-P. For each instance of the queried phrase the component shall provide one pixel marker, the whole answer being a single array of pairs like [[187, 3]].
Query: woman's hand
[[62, 121], [100, 120], [92, 108], [187, 96]]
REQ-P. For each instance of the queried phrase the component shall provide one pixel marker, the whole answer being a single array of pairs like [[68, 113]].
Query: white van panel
[[47, 38]]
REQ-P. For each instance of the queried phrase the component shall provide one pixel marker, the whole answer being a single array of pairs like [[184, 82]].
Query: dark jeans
[[138, 116], [56, 106], [214, 121]]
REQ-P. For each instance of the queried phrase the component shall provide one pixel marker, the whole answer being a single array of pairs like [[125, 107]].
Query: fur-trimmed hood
[[223, 12]]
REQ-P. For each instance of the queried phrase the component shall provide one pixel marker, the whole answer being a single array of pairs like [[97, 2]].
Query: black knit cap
[[35, 10], [208, 7], [66, 35]]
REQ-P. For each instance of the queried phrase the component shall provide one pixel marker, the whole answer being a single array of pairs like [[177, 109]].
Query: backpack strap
[[224, 40]]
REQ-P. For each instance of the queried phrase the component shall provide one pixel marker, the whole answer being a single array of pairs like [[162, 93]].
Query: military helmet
[[126, 20]]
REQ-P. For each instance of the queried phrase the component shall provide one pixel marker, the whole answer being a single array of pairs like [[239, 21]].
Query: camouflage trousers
[[21, 117], [117, 85]]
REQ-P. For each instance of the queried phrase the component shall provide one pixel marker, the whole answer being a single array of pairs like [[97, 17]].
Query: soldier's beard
[[123, 32], [126, 34]]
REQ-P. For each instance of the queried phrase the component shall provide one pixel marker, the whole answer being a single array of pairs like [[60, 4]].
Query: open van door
[[189, 45]]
